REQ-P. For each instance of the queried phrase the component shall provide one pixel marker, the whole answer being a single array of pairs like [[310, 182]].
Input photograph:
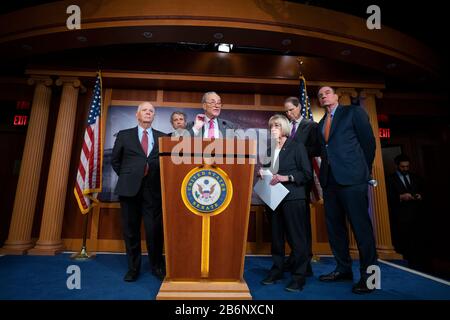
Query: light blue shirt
[[151, 142], [332, 116]]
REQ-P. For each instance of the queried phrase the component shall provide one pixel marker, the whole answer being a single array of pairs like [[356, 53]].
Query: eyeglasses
[[291, 109], [211, 103]]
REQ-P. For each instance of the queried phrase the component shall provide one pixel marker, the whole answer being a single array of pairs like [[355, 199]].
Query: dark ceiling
[[424, 21]]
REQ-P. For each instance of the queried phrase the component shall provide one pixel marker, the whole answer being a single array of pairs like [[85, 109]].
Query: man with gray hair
[[135, 159], [209, 125]]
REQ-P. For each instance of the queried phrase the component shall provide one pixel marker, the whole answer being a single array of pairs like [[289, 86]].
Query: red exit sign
[[20, 120], [385, 133]]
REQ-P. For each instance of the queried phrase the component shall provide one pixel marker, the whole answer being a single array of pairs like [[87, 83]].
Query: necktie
[[144, 144], [327, 127], [211, 129], [294, 130], [406, 182]]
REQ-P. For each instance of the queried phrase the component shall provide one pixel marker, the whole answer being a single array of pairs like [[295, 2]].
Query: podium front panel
[[184, 230]]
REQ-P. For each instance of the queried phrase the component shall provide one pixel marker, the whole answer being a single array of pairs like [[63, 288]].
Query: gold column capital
[[35, 79], [351, 92], [75, 82], [71, 81], [371, 92]]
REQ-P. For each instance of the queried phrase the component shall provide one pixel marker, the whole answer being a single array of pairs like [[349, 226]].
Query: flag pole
[[83, 255], [315, 258]]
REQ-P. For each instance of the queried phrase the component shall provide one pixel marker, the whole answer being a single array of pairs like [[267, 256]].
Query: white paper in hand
[[271, 195]]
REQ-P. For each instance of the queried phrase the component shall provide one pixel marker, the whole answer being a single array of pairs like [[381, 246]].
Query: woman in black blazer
[[290, 166]]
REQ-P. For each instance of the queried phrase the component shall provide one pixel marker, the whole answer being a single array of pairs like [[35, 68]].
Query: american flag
[[89, 175], [305, 109]]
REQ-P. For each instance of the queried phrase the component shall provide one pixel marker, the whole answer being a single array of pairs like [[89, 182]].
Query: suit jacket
[[350, 150], [223, 126], [293, 160], [395, 188], [307, 134], [129, 160]]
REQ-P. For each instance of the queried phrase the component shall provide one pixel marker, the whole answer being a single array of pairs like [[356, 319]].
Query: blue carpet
[[44, 278]]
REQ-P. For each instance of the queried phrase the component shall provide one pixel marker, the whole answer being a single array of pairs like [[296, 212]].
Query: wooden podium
[[206, 196]]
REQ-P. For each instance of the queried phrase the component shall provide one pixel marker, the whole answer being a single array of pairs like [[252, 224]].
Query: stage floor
[[46, 277]]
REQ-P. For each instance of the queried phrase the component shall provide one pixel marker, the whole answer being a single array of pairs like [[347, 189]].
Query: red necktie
[[211, 129], [144, 144]]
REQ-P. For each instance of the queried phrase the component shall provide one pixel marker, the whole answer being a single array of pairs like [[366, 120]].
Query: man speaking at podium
[[209, 125], [136, 162]]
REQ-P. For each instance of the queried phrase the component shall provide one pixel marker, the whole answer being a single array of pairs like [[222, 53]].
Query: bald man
[[136, 162]]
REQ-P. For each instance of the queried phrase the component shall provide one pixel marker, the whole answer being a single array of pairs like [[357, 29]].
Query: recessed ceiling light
[[218, 35], [82, 38], [346, 52], [286, 42], [391, 65], [27, 47], [147, 34]]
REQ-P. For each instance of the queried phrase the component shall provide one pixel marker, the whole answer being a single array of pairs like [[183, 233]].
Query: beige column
[[19, 237], [377, 195], [345, 95], [50, 242]]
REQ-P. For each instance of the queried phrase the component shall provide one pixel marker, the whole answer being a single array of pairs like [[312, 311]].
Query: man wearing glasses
[[303, 131], [208, 124]]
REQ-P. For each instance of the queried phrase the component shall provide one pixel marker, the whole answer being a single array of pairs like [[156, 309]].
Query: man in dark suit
[[405, 200], [135, 159], [348, 151], [209, 125], [303, 131]]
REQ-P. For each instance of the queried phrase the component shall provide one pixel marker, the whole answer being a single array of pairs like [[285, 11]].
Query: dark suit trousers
[[351, 202], [134, 209], [308, 220], [290, 220], [308, 189]]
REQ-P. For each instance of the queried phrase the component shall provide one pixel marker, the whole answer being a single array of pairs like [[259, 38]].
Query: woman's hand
[[278, 178], [259, 174]]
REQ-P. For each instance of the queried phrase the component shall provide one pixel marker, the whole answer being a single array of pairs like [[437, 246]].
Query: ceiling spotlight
[[147, 34], [346, 52], [225, 47]]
